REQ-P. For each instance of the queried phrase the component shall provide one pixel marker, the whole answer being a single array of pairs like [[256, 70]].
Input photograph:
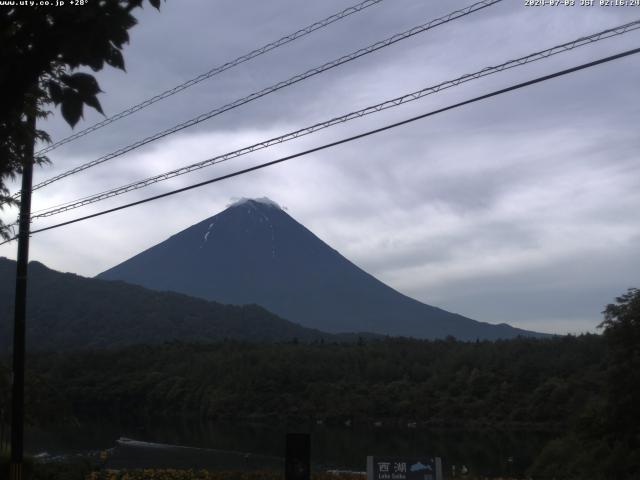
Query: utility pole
[[19, 329]]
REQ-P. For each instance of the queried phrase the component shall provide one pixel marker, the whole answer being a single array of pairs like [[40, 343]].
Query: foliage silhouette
[[41, 48]]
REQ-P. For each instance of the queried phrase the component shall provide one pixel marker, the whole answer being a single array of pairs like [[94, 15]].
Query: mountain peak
[[255, 253], [262, 201]]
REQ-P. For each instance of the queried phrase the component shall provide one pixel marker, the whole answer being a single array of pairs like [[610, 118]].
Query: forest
[[585, 388], [523, 382]]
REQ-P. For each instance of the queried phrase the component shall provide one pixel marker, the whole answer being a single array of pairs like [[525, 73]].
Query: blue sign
[[400, 468]]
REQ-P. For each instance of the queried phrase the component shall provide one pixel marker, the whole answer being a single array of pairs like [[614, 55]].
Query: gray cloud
[[519, 209]]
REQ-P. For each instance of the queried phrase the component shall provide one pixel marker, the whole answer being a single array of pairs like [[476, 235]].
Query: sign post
[[297, 458]]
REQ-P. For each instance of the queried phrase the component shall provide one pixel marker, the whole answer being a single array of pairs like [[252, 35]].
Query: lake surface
[[168, 444]]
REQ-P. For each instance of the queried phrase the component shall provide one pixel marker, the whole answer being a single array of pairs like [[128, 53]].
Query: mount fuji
[[255, 253]]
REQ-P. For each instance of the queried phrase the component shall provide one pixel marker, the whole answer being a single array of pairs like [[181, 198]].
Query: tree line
[[587, 387], [537, 383]]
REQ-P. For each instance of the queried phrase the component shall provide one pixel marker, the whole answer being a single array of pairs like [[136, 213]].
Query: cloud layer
[[519, 209]]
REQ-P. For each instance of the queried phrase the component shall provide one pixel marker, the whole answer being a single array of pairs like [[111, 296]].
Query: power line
[[346, 140], [295, 79], [215, 71], [409, 97]]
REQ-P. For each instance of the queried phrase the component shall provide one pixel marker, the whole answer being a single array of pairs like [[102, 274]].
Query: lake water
[[165, 444]]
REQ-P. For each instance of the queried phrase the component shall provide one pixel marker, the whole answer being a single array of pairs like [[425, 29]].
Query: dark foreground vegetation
[[587, 388], [524, 382]]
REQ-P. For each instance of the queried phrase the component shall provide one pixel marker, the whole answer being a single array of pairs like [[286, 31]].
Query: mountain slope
[[254, 252], [66, 311]]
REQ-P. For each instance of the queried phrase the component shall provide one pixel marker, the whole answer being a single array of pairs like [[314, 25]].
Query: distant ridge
[[254, 252], [66, 311]]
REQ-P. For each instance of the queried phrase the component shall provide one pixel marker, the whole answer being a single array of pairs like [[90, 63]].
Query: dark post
[[19, 329], [297, 457]]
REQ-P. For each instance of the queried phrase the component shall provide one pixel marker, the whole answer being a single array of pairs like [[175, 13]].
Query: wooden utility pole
[[20, 307]]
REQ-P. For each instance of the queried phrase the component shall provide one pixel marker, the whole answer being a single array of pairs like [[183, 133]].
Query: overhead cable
[[215, 71], [344, 140], [409, 97], [278, 86]]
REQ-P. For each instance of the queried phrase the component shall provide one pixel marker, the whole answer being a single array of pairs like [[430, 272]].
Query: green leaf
[[71, 107], [85, 83], [93, 101], [118, 35], [115, 59], [95, 63], [55, 92]]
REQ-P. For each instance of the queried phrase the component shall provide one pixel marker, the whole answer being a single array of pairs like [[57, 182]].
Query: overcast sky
[[520, 209]]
